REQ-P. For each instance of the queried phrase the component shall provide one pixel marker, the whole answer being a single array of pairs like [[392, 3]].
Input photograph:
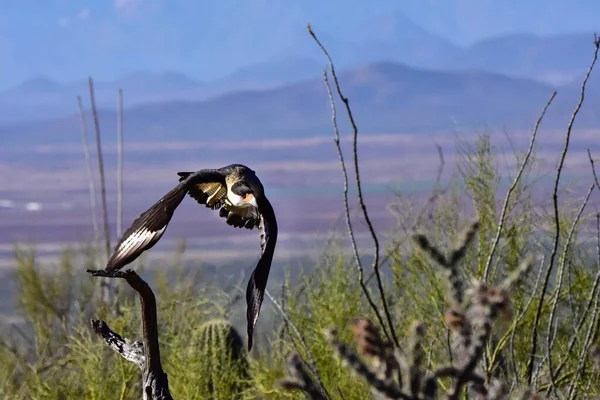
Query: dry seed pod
[[367, 338], [454, 319], [500, 298]]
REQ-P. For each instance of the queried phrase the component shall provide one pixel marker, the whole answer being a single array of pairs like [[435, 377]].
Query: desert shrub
[[444, 299]]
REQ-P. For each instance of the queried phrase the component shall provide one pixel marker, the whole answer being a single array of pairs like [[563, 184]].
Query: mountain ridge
[[385, 96]]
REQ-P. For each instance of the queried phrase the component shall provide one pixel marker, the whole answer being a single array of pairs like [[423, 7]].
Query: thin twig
[[361, 270], [299, 378], [359, 190], [594, 324], [585, 349], [88, 165], [436, 193], [107, 285], [120, 163], [514, 186], [593, 169], [313, 364], [538, 314], [593, 295], [383, 387], [560, 273], [100, 167], [520, 318]]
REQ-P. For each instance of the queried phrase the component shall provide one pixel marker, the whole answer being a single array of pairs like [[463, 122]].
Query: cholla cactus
[[394, 374], [225, 366]]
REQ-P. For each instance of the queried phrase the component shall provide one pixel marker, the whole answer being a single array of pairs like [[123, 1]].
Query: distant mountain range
[[386, 98], [44, 98], [389, 37]]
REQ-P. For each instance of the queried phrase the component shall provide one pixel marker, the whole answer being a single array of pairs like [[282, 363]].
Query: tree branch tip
[[97, 324], [100, 327], [97, 272], [420, 239], [103, 273]]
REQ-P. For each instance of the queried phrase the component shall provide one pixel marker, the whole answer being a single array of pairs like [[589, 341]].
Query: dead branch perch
[[146, 355]]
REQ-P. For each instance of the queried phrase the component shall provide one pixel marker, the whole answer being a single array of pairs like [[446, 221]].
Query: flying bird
[[237, 193]]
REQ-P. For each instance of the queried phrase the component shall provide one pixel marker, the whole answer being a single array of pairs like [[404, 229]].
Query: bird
[[237, 193]]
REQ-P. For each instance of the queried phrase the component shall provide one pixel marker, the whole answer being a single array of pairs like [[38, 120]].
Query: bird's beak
[[253, 201], [250, 199]]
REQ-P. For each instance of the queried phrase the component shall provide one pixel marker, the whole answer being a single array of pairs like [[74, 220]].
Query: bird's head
[[247, 189]]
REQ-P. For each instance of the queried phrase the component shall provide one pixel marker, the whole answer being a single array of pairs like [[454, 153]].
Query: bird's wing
[[258, 281], [213, 194], [241, 217], [149, 227]]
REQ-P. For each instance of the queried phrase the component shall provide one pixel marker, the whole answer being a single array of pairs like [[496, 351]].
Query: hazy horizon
[[199, 94]]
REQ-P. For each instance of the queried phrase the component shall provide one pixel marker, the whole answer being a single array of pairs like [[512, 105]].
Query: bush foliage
[[455, 306]]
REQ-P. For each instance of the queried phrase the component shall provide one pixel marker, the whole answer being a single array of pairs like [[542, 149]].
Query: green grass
[[57, 356]]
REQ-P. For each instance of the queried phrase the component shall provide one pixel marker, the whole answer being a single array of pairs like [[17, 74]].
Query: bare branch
[[155, 381], [88, 166], [436, 193], [361, 270], [100, 166], [450, 264], [313, 364], [593, 295], [538, 314], [513, 186], [106, 285], [120, 163], [131, 351], [384, 387], [299, 378], [594, 169], [359, 190], [592, 332], [560, 273], [520, 318]]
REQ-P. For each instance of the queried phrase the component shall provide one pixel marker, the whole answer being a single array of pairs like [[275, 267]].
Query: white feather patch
[[235, 199], [138, 240]]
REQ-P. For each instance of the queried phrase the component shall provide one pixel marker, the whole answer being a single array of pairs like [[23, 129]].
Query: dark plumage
[[238, 194]]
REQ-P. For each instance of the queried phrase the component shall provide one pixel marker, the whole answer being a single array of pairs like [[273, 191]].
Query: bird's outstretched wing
[[210, 194], [258, 281], [214, 196], [149, 227]]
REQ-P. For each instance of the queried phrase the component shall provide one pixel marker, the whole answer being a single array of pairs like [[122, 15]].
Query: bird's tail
[[258, 281]]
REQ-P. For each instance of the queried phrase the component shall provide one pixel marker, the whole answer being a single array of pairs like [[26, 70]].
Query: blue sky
[[71, 39]]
